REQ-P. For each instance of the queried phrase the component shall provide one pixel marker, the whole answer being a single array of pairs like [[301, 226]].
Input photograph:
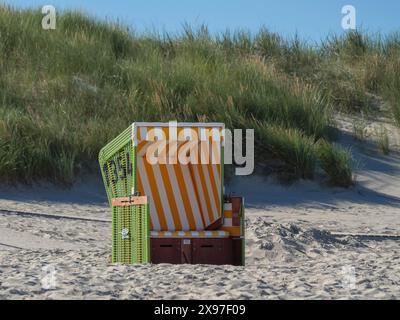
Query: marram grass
[[65, 93]]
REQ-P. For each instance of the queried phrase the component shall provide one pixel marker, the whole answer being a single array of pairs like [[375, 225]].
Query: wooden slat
[[128, 201]]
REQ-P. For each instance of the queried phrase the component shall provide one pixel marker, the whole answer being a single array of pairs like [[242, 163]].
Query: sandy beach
[[303, 240]]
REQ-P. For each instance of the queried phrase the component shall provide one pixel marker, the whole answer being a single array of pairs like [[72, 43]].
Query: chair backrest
[[183, 196]]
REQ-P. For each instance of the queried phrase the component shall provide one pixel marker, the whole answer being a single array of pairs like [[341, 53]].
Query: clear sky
[[311, 19]]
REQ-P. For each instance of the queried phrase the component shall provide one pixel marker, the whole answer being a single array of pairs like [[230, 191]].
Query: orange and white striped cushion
[[183, 197], [189, 234], [227, 221]]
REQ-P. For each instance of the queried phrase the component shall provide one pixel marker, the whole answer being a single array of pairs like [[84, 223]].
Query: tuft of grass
[[292, 147], [336, 162], [382, 139], [360, 128], [391, 84], [396, 110]]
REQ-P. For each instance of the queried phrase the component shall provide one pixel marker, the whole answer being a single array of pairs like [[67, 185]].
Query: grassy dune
[[65, 93]]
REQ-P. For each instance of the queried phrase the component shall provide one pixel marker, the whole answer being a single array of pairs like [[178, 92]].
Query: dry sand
[[303, 241]]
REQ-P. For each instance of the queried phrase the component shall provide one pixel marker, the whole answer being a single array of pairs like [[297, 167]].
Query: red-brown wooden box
[[194, 250]]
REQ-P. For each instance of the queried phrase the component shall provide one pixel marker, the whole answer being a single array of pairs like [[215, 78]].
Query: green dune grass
[[65, 93]]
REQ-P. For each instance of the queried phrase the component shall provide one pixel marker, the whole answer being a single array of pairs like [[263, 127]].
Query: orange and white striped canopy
[[178, 166]]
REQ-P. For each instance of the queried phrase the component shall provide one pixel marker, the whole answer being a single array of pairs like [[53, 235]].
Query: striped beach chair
[[178, 169]]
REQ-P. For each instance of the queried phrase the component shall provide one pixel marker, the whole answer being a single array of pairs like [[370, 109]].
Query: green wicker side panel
[[130, 234], [141, 227], [243, 232], [117, 163], [222, 180]]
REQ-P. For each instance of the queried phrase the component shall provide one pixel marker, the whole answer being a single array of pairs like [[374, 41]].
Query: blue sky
[[311, 19]]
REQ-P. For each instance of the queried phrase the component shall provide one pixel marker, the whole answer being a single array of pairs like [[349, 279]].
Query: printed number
[[105, 169], [114, 178], [129, 164], [121, 168], [118, 170]]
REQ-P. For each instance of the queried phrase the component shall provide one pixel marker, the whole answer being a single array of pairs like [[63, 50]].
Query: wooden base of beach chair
[[212, 251], [166, 250], [237, 252], [216, 251]]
